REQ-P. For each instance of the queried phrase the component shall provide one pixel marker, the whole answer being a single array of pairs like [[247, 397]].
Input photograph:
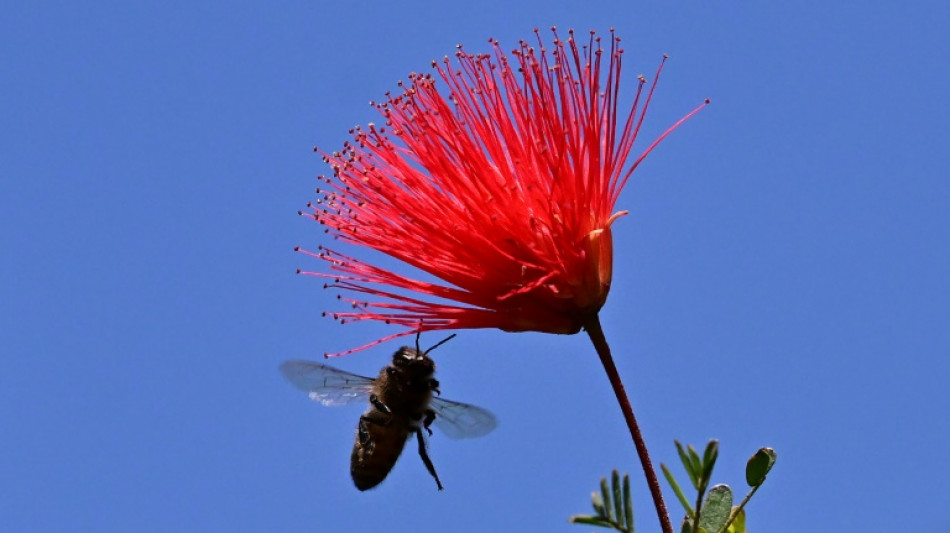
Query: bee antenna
[[440, 343], [418, 333]]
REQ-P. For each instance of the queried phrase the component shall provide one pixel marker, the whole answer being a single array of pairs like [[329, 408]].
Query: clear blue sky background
[[782, 278]]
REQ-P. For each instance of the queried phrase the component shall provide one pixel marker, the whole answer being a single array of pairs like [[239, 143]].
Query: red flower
[[503, 189]]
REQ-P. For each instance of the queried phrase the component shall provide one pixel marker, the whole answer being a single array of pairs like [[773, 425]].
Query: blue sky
[[781, 280]]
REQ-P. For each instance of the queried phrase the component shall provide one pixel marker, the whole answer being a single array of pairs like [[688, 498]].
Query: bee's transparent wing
[[461, 420], [325, 384]]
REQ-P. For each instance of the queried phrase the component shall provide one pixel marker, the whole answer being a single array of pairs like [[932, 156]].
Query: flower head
[[503, 188]]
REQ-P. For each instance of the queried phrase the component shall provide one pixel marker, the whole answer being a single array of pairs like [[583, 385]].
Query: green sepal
[[738, 523], [686, 526]]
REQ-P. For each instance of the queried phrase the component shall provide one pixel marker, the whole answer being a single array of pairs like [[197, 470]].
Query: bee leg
[[425, 457], [430, 417], [434, 386], [378, 404], [375, 417], [362, 433]]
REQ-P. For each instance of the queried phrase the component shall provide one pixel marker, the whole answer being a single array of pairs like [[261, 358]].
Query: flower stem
[[596, 334]]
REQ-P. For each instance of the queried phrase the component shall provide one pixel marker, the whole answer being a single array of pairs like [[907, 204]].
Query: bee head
[[414, 357], [407, 357]]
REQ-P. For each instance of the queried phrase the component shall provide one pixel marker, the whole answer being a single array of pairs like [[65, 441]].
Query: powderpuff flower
[[501, 188]]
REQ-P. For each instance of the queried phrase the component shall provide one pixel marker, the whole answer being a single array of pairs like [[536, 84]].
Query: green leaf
[[590, 520], [608, 507], [697, 466], [598, 504], [716, 508], [759, 466], [677, 490], [627, 504], [709, 459], [618, 495], [687, 464]]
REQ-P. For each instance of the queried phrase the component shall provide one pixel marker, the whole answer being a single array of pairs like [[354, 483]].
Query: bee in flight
[[400, 404]]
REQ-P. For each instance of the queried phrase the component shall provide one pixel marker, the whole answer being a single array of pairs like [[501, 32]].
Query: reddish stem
[[596, 333]]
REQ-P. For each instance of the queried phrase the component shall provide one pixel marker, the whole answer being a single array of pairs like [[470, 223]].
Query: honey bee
[[401, 403]]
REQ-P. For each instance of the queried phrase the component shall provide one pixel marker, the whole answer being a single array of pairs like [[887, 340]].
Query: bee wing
[[325, 384], [461, 420]]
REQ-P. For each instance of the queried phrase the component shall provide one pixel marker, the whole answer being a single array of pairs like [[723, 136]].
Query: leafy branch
[[612, 508], [712, 512], [715, 513]]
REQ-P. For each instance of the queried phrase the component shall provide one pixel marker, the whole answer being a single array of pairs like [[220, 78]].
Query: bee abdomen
[[372, 460]]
